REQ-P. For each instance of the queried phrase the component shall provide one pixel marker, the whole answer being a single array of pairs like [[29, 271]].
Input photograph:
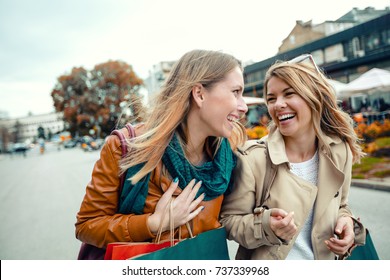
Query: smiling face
[[222, 104], [288, 109]]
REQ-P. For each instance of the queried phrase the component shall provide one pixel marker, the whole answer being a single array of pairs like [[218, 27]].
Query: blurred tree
[[96, 99]]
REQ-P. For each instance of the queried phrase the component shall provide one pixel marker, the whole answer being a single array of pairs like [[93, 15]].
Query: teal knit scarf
[[215, 176]]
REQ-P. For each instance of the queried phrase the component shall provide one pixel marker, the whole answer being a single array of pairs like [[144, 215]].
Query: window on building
[[334, 53], [371, 41], [292, 39], [385, 37], [318, 56], [352, 48]]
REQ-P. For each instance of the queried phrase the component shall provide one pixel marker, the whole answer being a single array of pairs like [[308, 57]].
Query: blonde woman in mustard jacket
[[184, 154], [312, 145]]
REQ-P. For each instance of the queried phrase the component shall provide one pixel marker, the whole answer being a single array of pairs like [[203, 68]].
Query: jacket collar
[[277, 148]]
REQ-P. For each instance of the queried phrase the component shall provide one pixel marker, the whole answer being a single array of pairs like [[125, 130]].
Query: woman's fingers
[[276, 212], [193, 214], [185, 206], [193, 192], [166, 197], [196, 202], [335, 247], [283, 224], [169, 192], [189, 193], [290, 232]]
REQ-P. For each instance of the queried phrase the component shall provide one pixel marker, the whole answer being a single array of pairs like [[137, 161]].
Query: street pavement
[[374, 184], [41, 195]]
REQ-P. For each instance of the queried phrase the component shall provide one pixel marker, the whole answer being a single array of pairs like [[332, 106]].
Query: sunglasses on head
[[304, 57]]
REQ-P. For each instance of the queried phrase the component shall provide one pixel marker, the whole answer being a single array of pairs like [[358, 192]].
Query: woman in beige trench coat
[[312, 145]]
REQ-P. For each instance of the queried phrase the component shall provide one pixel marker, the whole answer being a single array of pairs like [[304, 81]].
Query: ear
[[198, 94]]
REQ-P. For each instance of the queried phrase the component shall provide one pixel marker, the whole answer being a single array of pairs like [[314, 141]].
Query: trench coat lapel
[[330, 180], [276, 148], [330, 177]]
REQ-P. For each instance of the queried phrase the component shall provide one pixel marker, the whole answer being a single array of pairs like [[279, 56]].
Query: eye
[[236, 92], [289, 93], [271, 99]]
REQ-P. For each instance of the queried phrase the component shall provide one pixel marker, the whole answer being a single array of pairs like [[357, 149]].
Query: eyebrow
[[239, 87], [284, 90]]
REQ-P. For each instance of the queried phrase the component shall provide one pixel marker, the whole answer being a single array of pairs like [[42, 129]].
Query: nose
[[280, 103], [241, 106]]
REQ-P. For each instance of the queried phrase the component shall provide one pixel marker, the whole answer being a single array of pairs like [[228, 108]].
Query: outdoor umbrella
[[369, 82]]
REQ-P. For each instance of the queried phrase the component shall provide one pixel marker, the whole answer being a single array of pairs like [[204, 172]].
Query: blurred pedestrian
[[41, 143]]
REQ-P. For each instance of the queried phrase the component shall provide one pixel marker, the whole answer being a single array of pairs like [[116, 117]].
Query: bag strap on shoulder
[[122, 139], [270, 174]]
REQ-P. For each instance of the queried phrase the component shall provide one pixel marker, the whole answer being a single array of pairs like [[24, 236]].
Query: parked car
[[71, 143], [55, 139], [90, 144], [20, 148]]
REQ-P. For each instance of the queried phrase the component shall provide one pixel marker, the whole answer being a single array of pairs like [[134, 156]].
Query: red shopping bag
[[128, 250]]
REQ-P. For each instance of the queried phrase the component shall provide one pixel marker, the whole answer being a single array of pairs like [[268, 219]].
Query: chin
[[289, 133], [227, 133]]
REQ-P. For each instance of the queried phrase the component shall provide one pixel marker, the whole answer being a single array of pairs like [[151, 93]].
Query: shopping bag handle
[[171, 225]]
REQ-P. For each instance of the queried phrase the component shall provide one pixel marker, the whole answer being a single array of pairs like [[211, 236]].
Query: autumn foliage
[[368, 133], [94, 100], [256, 132], [372, 130]]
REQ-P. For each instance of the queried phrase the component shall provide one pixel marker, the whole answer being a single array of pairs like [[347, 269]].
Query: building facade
[[157, 76], [343, 55], [25, 129]]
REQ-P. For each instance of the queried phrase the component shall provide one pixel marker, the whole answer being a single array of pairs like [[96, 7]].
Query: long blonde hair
[[315, 89], [171, 106]]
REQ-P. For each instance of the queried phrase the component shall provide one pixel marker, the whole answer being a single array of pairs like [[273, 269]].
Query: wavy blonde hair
[[315, 89], [171, 106]]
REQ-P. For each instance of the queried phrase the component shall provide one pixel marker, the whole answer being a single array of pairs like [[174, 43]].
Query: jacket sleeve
[[246, 222], [98, 222], [344, 210]]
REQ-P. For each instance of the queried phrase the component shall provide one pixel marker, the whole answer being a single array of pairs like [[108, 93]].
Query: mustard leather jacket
[[98, 222]]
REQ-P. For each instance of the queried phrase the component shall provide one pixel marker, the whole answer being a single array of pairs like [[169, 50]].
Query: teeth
[[283, 117], [232, 119]]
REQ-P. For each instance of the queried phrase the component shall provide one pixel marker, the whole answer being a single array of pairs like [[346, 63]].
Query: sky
[[41, 40]]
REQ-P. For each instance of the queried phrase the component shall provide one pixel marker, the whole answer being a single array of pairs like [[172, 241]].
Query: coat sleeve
[[246, 222], [344, 210], [97, 221]]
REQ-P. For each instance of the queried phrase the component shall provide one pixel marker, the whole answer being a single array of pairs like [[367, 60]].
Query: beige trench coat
[[247, 222]]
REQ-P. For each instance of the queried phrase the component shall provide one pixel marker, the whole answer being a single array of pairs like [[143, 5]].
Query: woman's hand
[[282, 224], [345, 236], [185, 207]]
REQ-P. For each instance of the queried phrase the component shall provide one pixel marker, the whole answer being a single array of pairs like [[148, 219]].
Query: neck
[[300, 151], [195, 150]]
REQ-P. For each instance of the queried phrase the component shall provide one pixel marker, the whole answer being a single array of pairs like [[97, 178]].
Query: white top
[[302, 248]]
